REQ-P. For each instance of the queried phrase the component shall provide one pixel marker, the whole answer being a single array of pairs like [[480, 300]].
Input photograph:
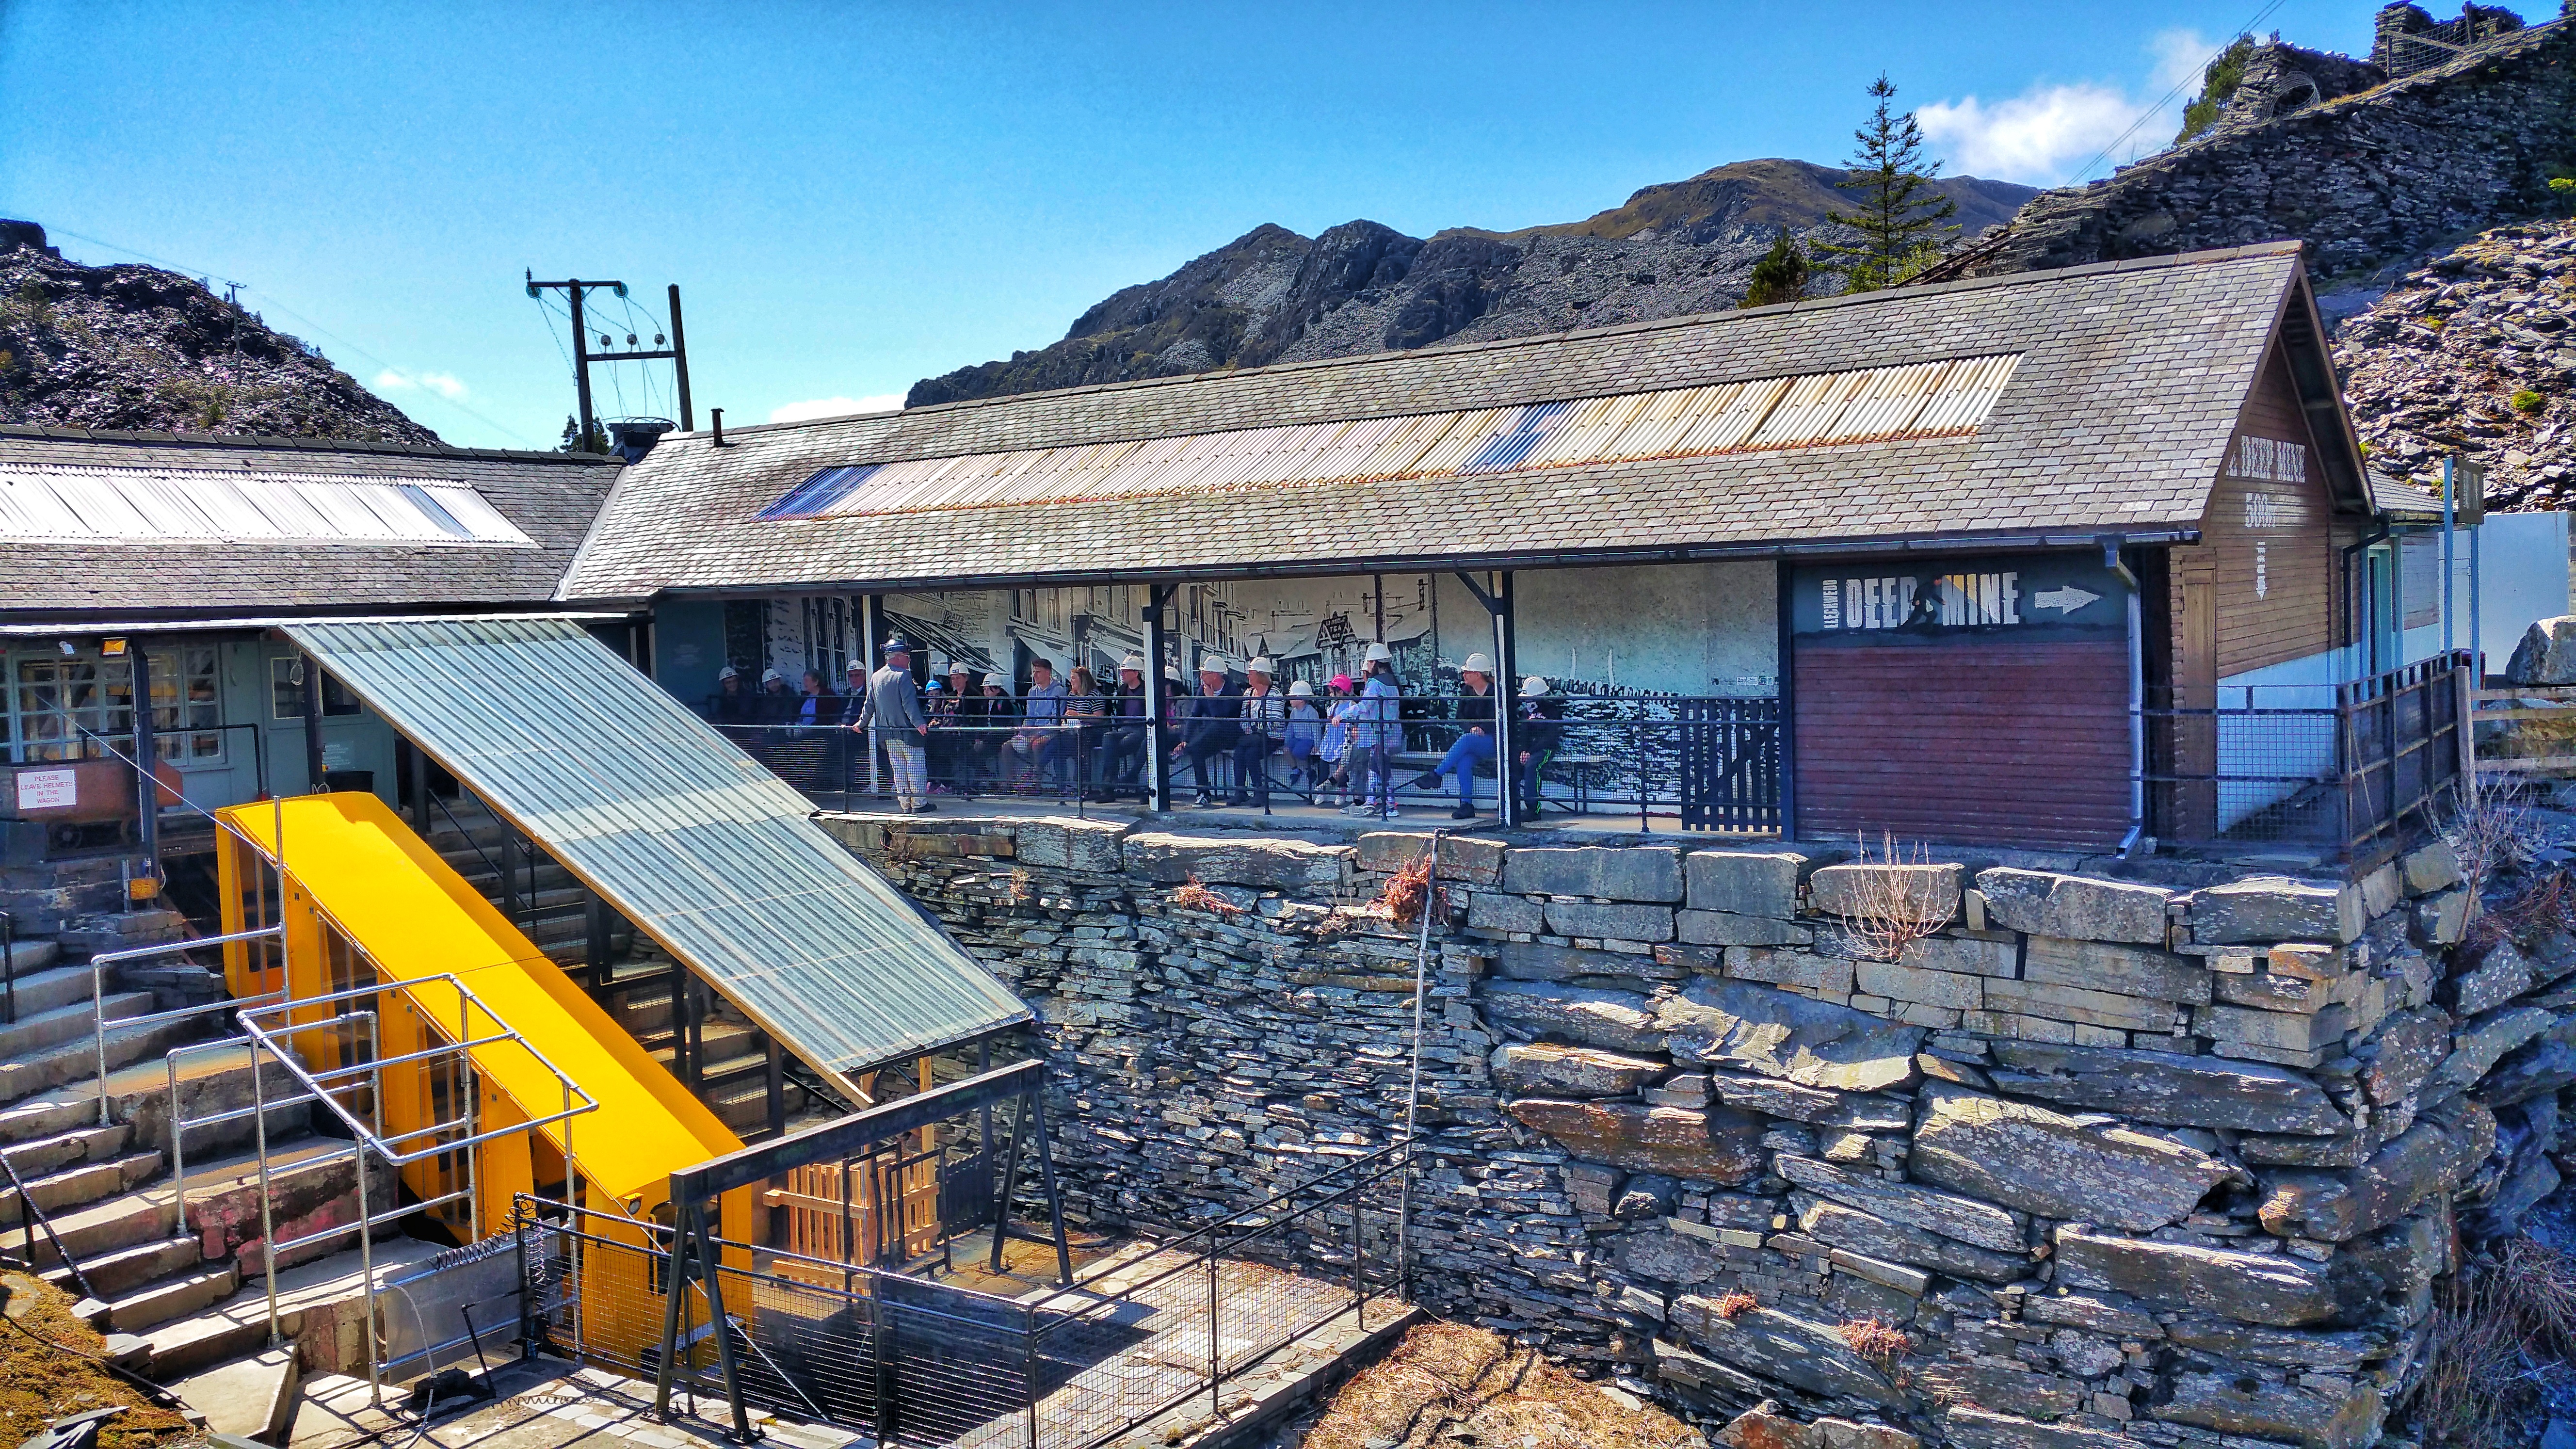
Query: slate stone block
[[1618, 873], [2498, 977], [2076, 907], [2128, 970], [1863, 1232], [2053, 1166], [1085, 845], [1464, 859], [1845, 890], [1718, 1145], [1808, 970], [1785, 1349], [1779, 1034], [1947, 1214], [2271, 1288], [1490, 911], [1619, 1021], [2408, 1047], [1616, 923], [2275, 908], [1722, 928], [1548, 1069], [1746, 882], [1274, 863]]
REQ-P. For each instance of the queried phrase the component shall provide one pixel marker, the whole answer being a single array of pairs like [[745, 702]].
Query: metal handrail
[[366, 1138], [98, 965], [31, 1217]]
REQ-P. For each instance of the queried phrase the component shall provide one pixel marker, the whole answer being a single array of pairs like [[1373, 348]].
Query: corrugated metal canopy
[[706, 852]]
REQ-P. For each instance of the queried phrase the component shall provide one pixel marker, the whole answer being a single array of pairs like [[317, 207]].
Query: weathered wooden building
[[2014, 556]]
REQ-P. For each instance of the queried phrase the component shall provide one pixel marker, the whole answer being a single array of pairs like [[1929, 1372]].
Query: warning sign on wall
[[48, 789]]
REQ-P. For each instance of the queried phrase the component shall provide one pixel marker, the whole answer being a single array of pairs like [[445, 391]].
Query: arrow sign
[[2065, 600]]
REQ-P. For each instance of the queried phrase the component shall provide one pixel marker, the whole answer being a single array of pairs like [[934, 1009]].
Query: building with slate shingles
[[1963, 542], [184, 548]]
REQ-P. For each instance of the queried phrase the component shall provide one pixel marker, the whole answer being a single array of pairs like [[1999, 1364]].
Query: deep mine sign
[[2034, 596]]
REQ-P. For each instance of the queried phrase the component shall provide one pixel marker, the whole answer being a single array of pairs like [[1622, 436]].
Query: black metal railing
[[1708, 763], [919, 1361], [2353, 768]]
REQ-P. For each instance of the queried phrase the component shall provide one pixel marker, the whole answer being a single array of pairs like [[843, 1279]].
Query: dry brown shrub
[[1448, 1384], [1892, 909], [1735, 1305], [1408, 889], [1883, 1344], [2492, 1325], [1193, 895], [1023, 885], [2489, 833]]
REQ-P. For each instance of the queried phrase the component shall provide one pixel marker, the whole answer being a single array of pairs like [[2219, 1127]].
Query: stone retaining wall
[[2114, 1162]]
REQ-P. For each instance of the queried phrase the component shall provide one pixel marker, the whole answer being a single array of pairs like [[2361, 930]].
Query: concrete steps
[[47, 987], [176, 1296], [119, 1273], [35, 1031], [82, 1184]]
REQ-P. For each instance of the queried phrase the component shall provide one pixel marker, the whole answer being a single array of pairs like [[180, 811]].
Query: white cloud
[[2042, 135], [445, 384], [835, 407]]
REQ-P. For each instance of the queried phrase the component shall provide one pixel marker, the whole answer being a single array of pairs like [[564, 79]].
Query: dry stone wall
[[2099, 1163]]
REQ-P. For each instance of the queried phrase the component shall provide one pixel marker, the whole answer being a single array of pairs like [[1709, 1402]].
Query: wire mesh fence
[[1712, 762], [917, 1361], [2352, 767]]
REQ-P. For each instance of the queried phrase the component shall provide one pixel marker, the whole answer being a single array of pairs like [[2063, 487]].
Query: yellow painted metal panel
[[417, 919]]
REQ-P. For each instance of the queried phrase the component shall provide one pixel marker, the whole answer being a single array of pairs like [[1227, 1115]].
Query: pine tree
[[1900, 221], [2218, 83], [1781, 275]]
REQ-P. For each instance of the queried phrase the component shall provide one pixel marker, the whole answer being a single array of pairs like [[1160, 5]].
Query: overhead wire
[[2196, 73], [301, 321]]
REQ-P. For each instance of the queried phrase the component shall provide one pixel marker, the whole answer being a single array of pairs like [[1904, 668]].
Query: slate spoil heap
[[2475, 352], [2105, 1162], [140, 348]]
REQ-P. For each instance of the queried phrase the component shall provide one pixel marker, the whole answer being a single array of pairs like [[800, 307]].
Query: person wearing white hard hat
[[1265, 726], [1377, 732], [1538, 731], [1212, 726], [732, 703], [1303, 737], [1123, 747], [1475, 744]]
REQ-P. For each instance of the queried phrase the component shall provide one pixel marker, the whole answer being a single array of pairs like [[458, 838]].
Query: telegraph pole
[[680, 360], [573, 289], [583, 357]]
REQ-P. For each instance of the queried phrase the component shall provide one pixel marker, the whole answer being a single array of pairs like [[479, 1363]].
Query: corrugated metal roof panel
[[190, 505], [706, 852], [1810, 411]]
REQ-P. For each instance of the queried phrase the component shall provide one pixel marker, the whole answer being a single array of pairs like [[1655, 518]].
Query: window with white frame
[[81, 706]]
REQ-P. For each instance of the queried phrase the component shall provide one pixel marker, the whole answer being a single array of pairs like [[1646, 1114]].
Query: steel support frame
[[1496, 595], [694, 1191]]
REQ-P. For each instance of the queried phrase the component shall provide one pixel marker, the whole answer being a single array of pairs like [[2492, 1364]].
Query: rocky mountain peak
[[141, 348], [1272, 295]]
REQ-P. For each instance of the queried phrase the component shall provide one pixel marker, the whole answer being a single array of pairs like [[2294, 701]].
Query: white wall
[[2522, 569]]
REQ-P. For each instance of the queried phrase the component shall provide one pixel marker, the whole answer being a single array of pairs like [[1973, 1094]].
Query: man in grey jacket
[[894, 719]]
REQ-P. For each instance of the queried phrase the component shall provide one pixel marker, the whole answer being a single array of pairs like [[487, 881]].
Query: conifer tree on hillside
[[1781, 275], [1901, 221]]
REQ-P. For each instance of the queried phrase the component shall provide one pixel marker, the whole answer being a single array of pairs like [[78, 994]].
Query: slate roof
[[552, 497], [2116, 420]]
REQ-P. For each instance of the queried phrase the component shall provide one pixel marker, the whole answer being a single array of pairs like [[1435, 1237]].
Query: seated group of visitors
[[1336, 747]]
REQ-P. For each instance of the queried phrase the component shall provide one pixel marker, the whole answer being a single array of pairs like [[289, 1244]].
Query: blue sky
[[854, 196]]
